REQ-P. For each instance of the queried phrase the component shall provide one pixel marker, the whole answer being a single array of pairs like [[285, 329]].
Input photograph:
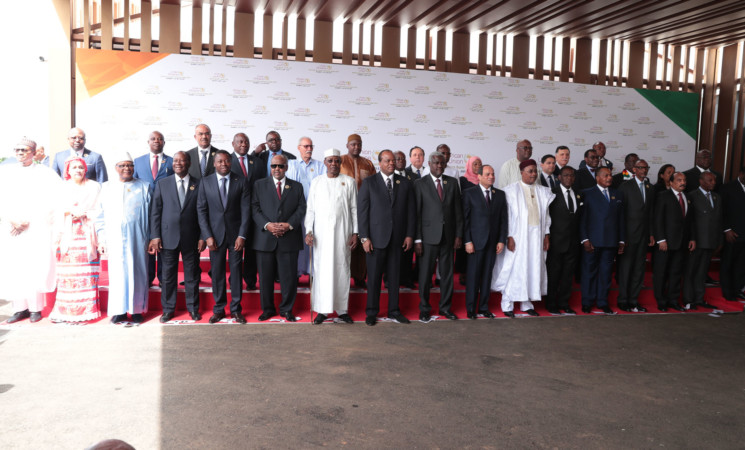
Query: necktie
[[279, 190], [439, 189], [389, 185], [708, 197], [418, 173], [155, 167], [224, 192], [203, 162], [243, 165], [641, 188], [551, 181], [682, 204], [181, 192], [605, 192], [488, 198], [570, 202]]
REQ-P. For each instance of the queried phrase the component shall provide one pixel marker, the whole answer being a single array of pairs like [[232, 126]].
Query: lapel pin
[[343, 183], [250, 162], [191, 188], [287, 186], [612, 197], [212, 154], [398, 181], [312, 169], [444, 181]]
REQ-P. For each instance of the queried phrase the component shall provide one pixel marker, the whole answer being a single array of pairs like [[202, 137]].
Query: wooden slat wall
[[461, 52], [583, 61], [520, 56], [323, 41], [196, 30], [107, 25], [146, 33], [170, 28], [725, 109], [636, 65]]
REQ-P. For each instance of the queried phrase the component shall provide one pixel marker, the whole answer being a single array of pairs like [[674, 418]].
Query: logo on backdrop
[[513, 110], [218, 78], [596, 130], [402, 103], [402, 131], [362, 130], [629, 106], [494, 123], [643, 121], [302, 112], [240, 63], [363, 101], [421, 118], [548, 85], [322, 128], [529, 125], [476, 136], [175, 75], [597, 103], [261, 79], [565, 101], [477, 107], [196, 61], [240, 93], [438, 133], [403, 74], [283, 66], [342, 114], [282, 96], [218, 108], [546, 140], [302, 82], [323, 68], [153, 90], [458, 120], [175, 106], [580, 115], [547, 112], [459, 92], [383, 87], [322, 98], [659, 134], [279, 125], [342, 84], [384, 116], [579, 142], [440, 105], [239, 124], [441, 76], [363, 72], [422, 90], [627, 132], [530, 98], [642, 146], [612, 118], [197, 92], [260, 109], [616, 92], [496, 95], [563, 127], [477, 79]]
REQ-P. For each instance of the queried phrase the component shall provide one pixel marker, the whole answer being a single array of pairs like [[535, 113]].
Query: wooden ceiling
[[677, 22]]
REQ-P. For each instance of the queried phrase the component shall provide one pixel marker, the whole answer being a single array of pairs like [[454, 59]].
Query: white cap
[[331, 152]]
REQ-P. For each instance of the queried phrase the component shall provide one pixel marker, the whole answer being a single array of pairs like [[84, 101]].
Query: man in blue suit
[[602, 231], [152, 167], [96, 167], [485, 234], [174, 230], [224, 213]]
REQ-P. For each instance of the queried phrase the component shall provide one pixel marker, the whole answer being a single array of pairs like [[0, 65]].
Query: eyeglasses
[[274, 140], [642, 167], [125, 166], [308, 146], [23, 150], [278, 166]]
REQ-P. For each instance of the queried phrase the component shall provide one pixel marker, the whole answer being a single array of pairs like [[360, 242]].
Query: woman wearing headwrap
[[471, 178]]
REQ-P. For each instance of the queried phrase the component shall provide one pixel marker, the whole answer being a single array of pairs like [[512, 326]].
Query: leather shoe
[[289, 316], [608, 310], [449, 315], [137, 318], [218, 316], [319, 319], [691, 306], [118, 318], [370, 320], [398, 317], [425, 317], [639, 308], [471, 315], [20, 315], [554, 312], [346, 318], [509, 314], [409, 285], [587, 309], [488, 314], [238, 317], [624, 308], [532, 312], [703, 305], [251, 287], [676, 307], [662, 308], [166, 317], [570, 312], [266, 316], [740, 296], [360, 284], [195, 315], [34, 317]]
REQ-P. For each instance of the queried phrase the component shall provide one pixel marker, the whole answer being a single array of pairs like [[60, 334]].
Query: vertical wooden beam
[[391, 51], [603, 63], [440, 62], [360, 46], [461, 52], [427, 49], [675, 78], [665, 77], [503, 71], [553, 59], [699, 71], [347, 41], [323, 39], [126, 25], [483, 43], [653, 51], [411, 48], [268, 47], [107, 25], [565, 50], [706, 139], [686, 65], [211, 27], [86, 23], [494, 56], [520, 56], [170, 28], [196, 30], [146, 34], [540, 47], [738, 158], [583, 62], [300, 38], [621, 64], [726, 112], [636, 65], [372, 44], [285, 23], [612, 62], [224, 31], [243, 40]]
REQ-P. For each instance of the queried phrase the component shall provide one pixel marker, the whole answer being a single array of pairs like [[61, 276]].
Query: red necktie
[[279, 189], [439, 189], [682, 204], [155, 167], [243, 166]]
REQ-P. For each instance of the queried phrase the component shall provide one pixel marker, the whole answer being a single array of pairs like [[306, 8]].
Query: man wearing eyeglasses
[[271, 148], [96, 167], [585, 176], [311, 168], [510, 171], [600, 149]]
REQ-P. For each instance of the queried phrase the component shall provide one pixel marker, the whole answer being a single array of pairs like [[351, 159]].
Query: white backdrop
[[389, 108]]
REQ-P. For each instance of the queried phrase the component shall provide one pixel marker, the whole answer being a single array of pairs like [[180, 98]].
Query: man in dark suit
[[732, 272], [251, 168], [628, 170], [416, 163], [600, 149], [548, 165], [561, 261], [152, 167], [602, 231], [638, 204], [485, 234], [174, 231], [439, 232], [269, 149], [562, 158], [278, 207], [672, 230], [706, 209], [703, 164], [224, 214], [387, 223], [584, 178], [407, 275], [203, 155], [96, 167]]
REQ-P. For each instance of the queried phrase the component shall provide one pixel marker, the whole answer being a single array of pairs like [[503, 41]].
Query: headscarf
[[470, 174], [68, 163]]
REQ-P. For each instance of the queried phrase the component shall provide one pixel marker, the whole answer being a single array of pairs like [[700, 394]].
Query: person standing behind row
[[203, 155], [94, 161], [732, 274]]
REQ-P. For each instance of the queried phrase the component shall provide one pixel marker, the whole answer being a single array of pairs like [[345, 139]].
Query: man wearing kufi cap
[[359, 168], [123, 234], [520, 272], [26, 211], [331, 231]]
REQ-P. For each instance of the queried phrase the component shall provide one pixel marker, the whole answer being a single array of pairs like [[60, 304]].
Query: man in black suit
[[439, 232], [387, 224], [278, 207], [548, 165], [672, 231], [251, 168], [407, 275], [703, 164], [269, 149], [174, 231], [561, 261], [416, 163], [485, 234], [562, 158], [203, 155], [600, 149], [627, 173], [706, 209], [638, 204], [224, 215], [584, 178], [732, 272]]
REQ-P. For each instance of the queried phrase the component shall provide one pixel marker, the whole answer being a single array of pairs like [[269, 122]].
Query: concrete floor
[[642, 381]]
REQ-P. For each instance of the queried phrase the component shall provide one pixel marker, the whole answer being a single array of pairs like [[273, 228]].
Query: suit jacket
[[733, 202], [410, 170], [144, 171], [604, 162], [669, 223], [637, 211], [545, 182], [602, 221], [383, 222], [583, 180], [564, 225], [96, 167], [617, 180], [223, 223], [408, 175], [692, 176], [255, 170], [436, 218], [707, 220], [264, 158], [168, 221], [484, 226], [195, 170], [267, 207]]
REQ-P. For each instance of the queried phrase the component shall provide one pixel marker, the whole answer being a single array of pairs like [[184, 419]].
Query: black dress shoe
[[138, 318], [662, 308], [703, 305], [20, 315], [638, 308], [425, 317], [371, 320], [740, 296], [624, 308], [509, 314], [409, 285], [532, 312], [554, 312], [218, 316], [238, 317], [471, 315], [398, 317], [195, 315], [488, 314], [691, 306], [118, 318], [289, 316], [570, 311], [166, 317], [608, 310], [360, 284], [709, 281], [346, 318], [319, 319], [34, 317], [449, 315], [676, 307], [250, 287], [437, 281], [587, 309], [266, 316]]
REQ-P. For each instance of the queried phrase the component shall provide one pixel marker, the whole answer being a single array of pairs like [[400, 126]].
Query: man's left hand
[[546, 242], [408, 244], [354, 240], [621, 248], [239, 243], [458, 243]]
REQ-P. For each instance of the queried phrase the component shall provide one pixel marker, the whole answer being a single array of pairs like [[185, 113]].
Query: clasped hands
[[278, 229]]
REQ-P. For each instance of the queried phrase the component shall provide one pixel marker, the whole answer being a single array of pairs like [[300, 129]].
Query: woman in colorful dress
[[78, 262]]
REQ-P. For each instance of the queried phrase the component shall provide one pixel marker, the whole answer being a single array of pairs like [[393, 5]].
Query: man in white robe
[[26, 211], [123, 229], [331, 232], [510, 171], [522, 273]]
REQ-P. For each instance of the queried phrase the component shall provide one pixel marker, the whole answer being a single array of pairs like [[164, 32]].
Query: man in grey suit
[[706, 209], [174, 231], [203, 155], [439, 232]]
